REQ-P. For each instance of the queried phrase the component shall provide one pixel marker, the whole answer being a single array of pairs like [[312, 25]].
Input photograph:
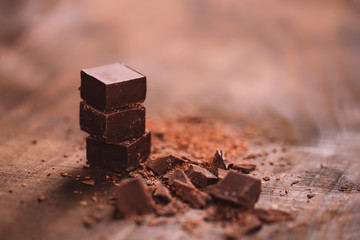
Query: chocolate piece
[[133, 198], [219, 161], [222, 173], [161, 165], [237, 189], [273, 215], [113, 127], [190, 194], [125, 155], [161, 193], [245, 167], [200, 177], [177, 175], [112, 86]]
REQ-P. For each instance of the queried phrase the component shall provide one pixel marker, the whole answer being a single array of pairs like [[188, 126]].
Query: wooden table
[[292, 68]]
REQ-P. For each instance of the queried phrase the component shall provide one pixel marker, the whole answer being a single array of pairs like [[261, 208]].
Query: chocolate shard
[[112, 86], [159, 165], [219, 161], [132, 198], [237, 189], [163, 164], [188, 193], [121, 156], [245, 167], [161, 193], [177, 175], [200, 177], [113, 127], [273, 215]]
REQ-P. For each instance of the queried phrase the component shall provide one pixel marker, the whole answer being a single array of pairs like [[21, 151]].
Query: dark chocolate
[[219, 161], [188, 193], [163, 164], [114, 127], [125, 155], [200, 177], [245, 167], [161, 193], [159, 166], [237, 189], [132, 198], [177, 175], [112, 86], [273, 215]]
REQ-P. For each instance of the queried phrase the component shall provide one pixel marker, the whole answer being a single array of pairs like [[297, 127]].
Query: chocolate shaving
[[245, 167], [273, 215]]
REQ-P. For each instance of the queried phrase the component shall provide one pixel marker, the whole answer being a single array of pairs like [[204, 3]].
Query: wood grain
[[291, 68]]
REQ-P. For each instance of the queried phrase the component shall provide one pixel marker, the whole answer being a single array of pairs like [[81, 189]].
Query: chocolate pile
[[113, 116], [224, 191]]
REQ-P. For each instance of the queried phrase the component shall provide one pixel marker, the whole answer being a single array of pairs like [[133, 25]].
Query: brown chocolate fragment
[[200, 177], [219, 161], [222, 173], [273, 215], [237, 189], [161, 193], [114, 127], [132, 198], [125, 155], [159, 165], [163, 164], [112, 86], [190, 194], [245, 167], [178, 175], [266, 178], [344, 188]]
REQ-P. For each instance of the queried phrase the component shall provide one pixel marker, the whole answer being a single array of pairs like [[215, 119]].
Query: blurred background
[[294, 61]]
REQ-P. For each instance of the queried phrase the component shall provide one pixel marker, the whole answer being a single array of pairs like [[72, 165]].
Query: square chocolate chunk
[[113, 127], [125, 155], [112, 86]]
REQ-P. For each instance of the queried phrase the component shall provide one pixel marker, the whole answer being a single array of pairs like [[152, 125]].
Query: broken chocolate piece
[[219, 161], [125, 155], [177, 175], [159, 165], [190, 194], [132, 198], [112, 86], [273, 215], [245, 167], [113, 127], [162, 194], [237, 189], [222, 173], [200, 177]]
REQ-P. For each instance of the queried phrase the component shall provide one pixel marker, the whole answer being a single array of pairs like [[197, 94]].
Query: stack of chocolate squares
[[111, 112]]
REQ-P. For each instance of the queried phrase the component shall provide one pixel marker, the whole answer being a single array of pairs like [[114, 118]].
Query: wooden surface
[[291, 68]]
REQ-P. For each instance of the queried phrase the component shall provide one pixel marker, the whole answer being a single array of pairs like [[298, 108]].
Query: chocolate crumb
[[311, 195], [294, 182], [42, 198], [266, 178], [88, 182]]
